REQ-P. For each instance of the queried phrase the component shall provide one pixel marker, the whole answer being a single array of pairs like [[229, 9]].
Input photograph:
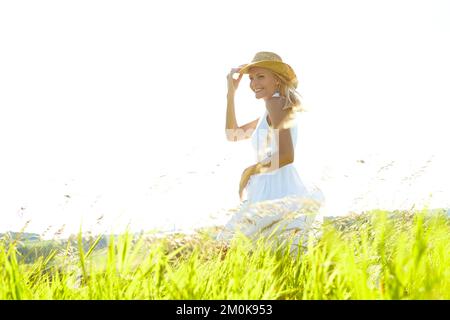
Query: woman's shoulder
[[280, 117]]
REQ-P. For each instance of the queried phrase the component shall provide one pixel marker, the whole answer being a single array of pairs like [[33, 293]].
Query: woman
[[273, 187]]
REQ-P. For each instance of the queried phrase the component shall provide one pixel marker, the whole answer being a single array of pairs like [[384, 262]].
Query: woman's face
[[262, 83]]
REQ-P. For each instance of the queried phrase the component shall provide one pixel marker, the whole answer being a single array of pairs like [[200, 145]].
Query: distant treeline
[[30, 246]]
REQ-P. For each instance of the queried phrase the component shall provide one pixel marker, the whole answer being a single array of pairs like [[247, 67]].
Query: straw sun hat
[[273, 62]]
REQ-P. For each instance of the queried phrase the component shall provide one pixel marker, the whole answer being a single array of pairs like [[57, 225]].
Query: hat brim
[[278, 67]]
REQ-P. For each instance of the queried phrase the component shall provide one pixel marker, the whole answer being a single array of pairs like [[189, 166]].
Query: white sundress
[[278, 201]]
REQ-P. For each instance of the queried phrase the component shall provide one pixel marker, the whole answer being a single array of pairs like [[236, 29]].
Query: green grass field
[[376, 255]]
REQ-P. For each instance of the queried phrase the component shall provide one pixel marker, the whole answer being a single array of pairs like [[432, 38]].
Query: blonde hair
[[292, 96]]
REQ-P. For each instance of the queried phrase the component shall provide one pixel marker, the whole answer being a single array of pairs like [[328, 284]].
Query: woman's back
[[264, 139]]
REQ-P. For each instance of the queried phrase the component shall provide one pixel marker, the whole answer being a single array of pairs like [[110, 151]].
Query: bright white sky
[[116, 91]]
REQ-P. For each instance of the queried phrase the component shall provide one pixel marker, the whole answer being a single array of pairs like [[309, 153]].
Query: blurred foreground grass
[[375, 255]]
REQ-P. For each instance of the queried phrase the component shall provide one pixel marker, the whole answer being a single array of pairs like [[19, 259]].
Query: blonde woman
[[274, 137]]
